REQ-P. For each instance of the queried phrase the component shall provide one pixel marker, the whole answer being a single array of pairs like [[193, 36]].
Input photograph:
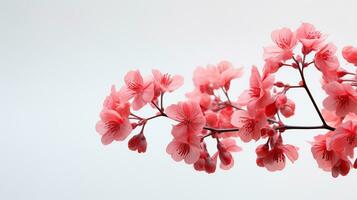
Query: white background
[[58, 60]]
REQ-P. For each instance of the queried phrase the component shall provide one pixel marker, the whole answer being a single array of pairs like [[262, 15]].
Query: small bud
[[344, 168], [199, 164], [138, 143], [301, 83], [210, 165], [294, 65], [134, 125], [299, 59], [355, 164], [279, 84]]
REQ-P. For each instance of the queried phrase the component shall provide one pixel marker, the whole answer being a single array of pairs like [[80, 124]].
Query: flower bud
[[138, 143], [210, 165]]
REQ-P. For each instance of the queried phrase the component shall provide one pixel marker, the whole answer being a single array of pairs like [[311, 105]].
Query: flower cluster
[[257, 114]]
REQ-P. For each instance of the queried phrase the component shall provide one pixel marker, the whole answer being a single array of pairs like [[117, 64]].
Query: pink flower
[[115, 102], [287, 109], [228, 73], [112, 126], [185, 148], [249, 123], [311, 39], [342, 98], [331, 118], [326, 60], [225, 148], [189, 116], [285, 41], [258, 95], [142, 91], [344, 139], [350, 54], [165, 82], [214, 77], [274, 159], [328, 159]]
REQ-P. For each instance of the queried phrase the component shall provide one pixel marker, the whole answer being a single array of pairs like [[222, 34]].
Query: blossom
[[349, 53], [166, 82], [214, 77], [225, 148], [342, 98], [327, 158], [285, 41], [142, 91], [258, 94], [331, 118], [115, 102], [311, 39], [344, 139], [112, 126], [250, 124], [287, 109], [189, 116], [325, 59], [275, 158], [185, 148]]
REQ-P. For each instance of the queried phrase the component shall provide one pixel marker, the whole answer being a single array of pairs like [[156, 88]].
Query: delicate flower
[[189, 115], [225, 148], [142, 91], [228, 73], [249, 123], [112, 126], [185, 148], [138, 143], [325, 59], [203, 99], [331, 118], [311, 39], [258, 95], [166, 82], [285, 41], [214, 77], [115, 102], [287, 109], [342, 98], [274, 159], [350, 54], [325, 158], [344, 139]]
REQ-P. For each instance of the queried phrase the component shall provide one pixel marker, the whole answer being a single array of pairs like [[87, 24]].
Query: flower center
[[183, 149]]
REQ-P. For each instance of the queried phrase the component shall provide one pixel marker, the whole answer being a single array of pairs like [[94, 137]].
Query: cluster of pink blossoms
[[257, 114]]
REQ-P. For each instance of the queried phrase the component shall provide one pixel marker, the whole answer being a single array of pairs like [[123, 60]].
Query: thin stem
[[286, 127], [162, 102], [227, 96], [157, 107], [301, 71], [140, 118]]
